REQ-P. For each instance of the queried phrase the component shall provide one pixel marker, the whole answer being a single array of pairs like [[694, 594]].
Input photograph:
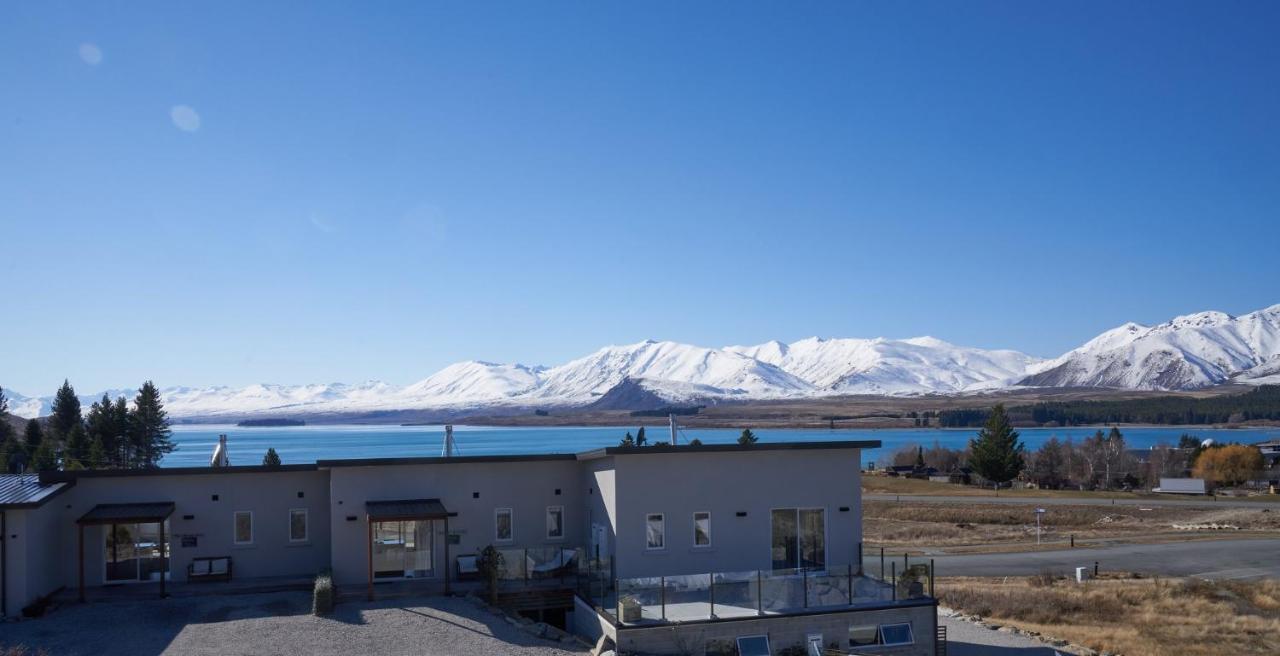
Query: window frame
[[306, 525], [560, 510], [662, 523], [511, 525], [737, 641], [235, 527], [695, 529], [911, 635], [875, 635], [826, 535]]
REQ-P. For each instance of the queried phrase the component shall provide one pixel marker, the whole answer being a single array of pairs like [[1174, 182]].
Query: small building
[[1182, 486]]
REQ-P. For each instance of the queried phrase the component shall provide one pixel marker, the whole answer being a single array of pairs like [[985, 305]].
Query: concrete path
[[1209, 559], [965, 639]]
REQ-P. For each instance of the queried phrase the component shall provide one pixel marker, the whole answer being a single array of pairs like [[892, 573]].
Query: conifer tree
[[149, 428], [695, 442], [77, 447], [640, 438], [106, 427], [628, 440], [920, 457], [271, 459], [33, 435], [123, 454], [45, 458], [65, 412], [747, 437], [996, 454], [97, 454], [6, 430]]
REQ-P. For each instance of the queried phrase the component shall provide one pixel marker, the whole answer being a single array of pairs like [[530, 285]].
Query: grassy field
[[876, 484], [1136, 617], [1009, 527]]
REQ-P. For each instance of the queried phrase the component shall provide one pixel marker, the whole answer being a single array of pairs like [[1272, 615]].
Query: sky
[[228, 193]]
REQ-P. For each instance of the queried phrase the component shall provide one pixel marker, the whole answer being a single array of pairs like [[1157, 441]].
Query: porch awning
[[127, 513], [405, 509]]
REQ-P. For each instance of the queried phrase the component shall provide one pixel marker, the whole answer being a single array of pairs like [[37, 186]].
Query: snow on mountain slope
[[733, 374], [472, 381], [883, 366], [1187, 352]]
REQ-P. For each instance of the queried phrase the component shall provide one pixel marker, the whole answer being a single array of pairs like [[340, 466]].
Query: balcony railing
[[724, 595]]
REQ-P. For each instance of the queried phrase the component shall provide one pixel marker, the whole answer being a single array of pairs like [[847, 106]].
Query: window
[[555, 522], [502, 528], [243, 527], [888, 635], [799, 538], [702, 529], [298, 525], [813, 645], [754, 645], [896, 634], [655, 531]]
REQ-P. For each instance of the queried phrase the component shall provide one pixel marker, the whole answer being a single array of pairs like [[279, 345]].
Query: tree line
[[1262, 403], [114, 435], [1101, 461]]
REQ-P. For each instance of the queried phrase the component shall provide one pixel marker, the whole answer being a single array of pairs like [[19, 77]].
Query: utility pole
[[671, 419]]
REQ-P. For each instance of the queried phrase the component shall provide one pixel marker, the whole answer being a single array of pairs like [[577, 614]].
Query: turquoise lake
[[306, 444]]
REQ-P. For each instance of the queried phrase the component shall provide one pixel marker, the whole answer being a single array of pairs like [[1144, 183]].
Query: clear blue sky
[[352, 190]]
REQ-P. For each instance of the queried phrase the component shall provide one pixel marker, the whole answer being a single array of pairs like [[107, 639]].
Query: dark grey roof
[[26, 491], [55, 476], [405, 509], [441, 460], [112, 513]]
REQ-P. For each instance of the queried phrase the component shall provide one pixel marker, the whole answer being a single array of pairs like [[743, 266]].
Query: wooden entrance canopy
[[106, 514], [405, 510]]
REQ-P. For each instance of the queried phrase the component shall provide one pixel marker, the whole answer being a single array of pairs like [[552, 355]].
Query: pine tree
[[996, 454], [747, 438], [6, 429], [77, 448], [33, 435], [628, 440], [695, 442], [105, 429], [920, 457], [97, 454], [640, 438], [149, 428], [65, 412], [271, 459], [10, 453], [123, 454], [45, 458]]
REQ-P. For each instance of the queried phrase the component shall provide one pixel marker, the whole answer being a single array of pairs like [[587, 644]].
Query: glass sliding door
[[133, 553], [799, 538], [403, 549]]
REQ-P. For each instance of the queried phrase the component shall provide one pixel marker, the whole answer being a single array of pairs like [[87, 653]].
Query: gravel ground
[[966, 639], [277, 623]]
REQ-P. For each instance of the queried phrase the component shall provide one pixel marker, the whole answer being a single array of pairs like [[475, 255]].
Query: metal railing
[[724, 595]]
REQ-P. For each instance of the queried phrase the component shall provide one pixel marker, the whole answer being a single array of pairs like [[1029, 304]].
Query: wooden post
[[81, 526], [446, 554], [369, 546], [163, 562]]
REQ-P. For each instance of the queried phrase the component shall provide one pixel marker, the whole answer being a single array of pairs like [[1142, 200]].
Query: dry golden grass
[[889, 524], [1135, 617]]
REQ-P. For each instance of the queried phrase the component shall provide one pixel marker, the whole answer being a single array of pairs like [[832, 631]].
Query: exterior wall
[[726, 483], [269, 495], [786, 631], [17, 571], [589, 624], [601, 502], [527, 487], [32, 549]]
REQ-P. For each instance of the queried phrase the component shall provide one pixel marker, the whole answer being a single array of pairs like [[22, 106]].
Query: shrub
[[324, 594], [492, 566]]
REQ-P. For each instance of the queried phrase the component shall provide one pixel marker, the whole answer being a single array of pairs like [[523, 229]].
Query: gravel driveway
[[277, 623]]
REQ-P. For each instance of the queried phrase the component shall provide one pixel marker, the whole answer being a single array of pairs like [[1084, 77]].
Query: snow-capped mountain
[[884, 366], [1190, 351]]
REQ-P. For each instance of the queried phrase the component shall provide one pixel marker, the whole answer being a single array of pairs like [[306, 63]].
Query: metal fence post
[[859, 559], [931, 579], [893, 568], [881, 563], [618, 599], [662, 596], [851, 578], [759, 593], [526, 564], [804, 586], [711, 580]]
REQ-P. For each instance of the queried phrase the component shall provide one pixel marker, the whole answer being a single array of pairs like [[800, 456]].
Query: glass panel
[[815, 646], [244, 527], [655, 532], [862, 635], [701, 529], [735, 594], [422, 562], [785, 548], [122, 560], [297, 525], [688, 598], [502, 525], [555, 523], [388, 550], [150, 565], [753, 646], [782, 590], [813, 538], [896, 634]]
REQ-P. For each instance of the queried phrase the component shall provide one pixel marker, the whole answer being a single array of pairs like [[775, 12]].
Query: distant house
[[1182, 486], [1270, 451]]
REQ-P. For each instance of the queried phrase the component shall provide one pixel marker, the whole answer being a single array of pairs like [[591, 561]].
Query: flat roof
[[729, 448], [58, 476], [441, 460], [18, 491]]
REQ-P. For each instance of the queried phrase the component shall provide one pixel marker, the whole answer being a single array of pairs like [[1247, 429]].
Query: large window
[[555, 522], [298, 525], [799, 538], [757, 645], [702, 529], [134, 552], [403, 549], [655, 531], [887, 635], [502, 525], [243, 527]]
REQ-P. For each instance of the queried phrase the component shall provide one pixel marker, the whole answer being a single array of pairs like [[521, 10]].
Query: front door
[[403, 549], [133, 553]]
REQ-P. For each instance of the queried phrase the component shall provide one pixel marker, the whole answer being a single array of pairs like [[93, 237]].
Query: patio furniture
[[209, 568], [467, 568]]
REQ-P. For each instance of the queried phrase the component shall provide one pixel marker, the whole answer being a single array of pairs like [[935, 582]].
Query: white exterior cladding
[[605, 496]]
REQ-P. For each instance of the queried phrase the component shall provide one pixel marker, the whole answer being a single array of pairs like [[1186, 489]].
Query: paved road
[[1210, 559], [1197, 502]]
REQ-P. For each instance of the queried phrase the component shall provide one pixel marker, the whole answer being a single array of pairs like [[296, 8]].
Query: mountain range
[[1188, 352]]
